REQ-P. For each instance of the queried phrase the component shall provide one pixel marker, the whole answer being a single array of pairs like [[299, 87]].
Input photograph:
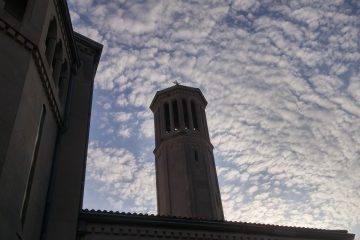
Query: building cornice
[[34, 50], [182, 135], [173, 90], [89, 47], [67, 31]]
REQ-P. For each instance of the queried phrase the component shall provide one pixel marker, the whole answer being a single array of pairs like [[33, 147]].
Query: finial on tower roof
[[176, 82]]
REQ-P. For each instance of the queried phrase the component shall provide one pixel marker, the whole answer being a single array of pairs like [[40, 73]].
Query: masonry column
[[205, 122], [200, 119], [181, 113], [191, 125]]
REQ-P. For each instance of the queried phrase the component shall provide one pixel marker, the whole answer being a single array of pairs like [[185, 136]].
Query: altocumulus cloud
[[283, 84]]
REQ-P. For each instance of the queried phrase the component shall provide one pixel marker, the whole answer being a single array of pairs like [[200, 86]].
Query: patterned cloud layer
[[282, 79]]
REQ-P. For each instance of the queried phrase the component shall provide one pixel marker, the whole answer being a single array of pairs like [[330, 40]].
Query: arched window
[[51, 41], [16, 8], [196, 156], [194, 117], [56, 63], [186, 114], [63, 81], [158, 124], [175, 114], [167, 117]]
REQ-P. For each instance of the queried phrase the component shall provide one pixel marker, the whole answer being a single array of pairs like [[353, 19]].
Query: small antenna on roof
[[176, 82]]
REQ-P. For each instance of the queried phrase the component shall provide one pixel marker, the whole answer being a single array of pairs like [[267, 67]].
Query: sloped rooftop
[[151, 220]]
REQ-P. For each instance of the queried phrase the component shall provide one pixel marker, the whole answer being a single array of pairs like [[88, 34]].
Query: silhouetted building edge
[[47, 75]]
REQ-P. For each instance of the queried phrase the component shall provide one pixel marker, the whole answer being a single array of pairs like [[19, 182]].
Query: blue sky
[[282, 80]]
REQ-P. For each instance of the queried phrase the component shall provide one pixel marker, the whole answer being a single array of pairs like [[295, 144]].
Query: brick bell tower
[[186, 179]]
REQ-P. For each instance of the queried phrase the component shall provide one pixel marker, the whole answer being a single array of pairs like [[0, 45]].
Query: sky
[[282, 81]]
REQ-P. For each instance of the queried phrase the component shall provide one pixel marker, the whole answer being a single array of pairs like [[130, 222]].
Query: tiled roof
[[232, 226]]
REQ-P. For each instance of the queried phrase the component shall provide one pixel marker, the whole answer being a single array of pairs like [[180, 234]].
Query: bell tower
[[186, 180]]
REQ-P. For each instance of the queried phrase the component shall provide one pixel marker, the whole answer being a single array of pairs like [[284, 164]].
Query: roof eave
[[214, 225]]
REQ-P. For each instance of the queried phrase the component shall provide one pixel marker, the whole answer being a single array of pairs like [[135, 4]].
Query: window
[[196, 157], [51, 41], [158, 122], [186, 116], [29, 182], [64, 75], [175, 114], [57, 62], [16, 8], [167, 117], [194, 117]]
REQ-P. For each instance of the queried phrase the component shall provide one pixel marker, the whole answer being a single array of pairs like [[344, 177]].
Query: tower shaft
[[186, 177]]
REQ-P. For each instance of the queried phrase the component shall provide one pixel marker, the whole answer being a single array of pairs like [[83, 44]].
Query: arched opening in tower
[[175, 114], [194, 117], [167, 117]]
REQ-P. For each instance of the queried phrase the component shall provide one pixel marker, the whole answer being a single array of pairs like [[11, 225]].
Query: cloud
[[124, 132], [282, 84], [147, 128], [110, 165], [122, 116], [117, 172]]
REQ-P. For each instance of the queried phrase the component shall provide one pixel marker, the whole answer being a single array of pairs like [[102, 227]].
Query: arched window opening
[[57, 62], [51, 41], [16, 8], [194, 117], [176, 115], [186, 114], [196, 156], [64, 76], [167, 117], [157, 127]]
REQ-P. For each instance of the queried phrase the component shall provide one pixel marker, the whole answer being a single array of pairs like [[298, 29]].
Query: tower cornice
[[174, 90], [182, 136]]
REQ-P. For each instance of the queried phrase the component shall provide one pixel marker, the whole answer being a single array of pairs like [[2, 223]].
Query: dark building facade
[[46, 73]]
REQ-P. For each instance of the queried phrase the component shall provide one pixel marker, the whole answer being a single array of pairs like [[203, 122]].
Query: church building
[[47, 75]]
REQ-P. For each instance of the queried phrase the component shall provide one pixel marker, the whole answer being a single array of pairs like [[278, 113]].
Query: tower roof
[[174, 89]]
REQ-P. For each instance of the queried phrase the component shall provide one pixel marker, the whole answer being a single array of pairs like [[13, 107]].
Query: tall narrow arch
[[57, 61], [50, 41], [194, 115], [63, 81], [167, 117]]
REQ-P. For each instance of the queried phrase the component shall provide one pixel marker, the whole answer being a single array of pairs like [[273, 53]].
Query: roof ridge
[[114, 213]]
